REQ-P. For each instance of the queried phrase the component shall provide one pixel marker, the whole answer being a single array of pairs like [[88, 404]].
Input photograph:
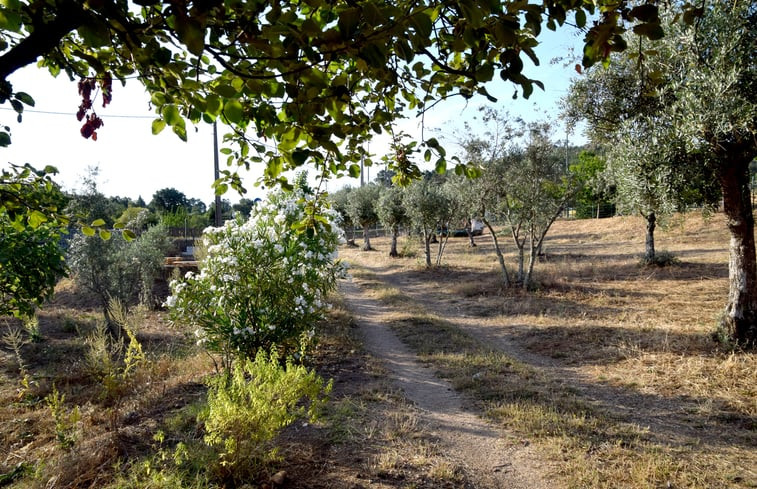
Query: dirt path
[[471, 442], [668, 420]]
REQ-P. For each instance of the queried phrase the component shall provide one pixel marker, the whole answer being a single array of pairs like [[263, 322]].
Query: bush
[[661, 259], [262, 282], [117, 268], [247, 408]]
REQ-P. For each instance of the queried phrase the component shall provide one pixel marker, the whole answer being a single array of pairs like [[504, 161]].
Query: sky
[[132, 162]]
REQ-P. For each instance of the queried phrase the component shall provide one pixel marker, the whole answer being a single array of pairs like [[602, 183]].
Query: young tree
[[117, 268], [534, 190], [524, 182], [361, 206], [392, 214], [462, 191], [339, 203], [425, 204]]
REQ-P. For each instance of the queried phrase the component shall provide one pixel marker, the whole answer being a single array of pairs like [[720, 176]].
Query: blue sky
[[132, 162]]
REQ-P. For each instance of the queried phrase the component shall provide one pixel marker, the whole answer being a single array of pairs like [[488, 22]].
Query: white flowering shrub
[[263, 282]]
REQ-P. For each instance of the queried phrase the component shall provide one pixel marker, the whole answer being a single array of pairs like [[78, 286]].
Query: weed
[[65, 421], [31, 325], [15, 340], [249, 406], [112, 362]]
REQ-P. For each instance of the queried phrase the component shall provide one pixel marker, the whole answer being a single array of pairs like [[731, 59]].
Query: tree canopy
[[295, 81]]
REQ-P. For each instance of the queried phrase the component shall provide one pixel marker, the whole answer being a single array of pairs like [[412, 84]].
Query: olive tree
[[524, 183], [361, 206], [392, 214], [624, 113], [712, 122], [426, 205], [702, 76]]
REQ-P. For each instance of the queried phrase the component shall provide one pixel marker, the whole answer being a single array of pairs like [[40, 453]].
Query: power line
[[72, 114]]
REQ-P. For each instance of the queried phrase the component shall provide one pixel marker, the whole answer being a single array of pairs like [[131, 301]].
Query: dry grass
[[368, 434], [608, 365]]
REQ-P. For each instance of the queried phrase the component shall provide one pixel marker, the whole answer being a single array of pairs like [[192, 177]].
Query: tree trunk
[[740, 318], [649, 253], [393, 251], [366, 240], [427, 246], [500, 257], [531, 260], [442, 245], [469, 230]]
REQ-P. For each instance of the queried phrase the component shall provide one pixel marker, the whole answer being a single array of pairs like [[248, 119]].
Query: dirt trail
[[469, 441], [668, 420]]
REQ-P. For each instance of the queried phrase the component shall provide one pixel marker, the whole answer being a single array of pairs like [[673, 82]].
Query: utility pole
[[216, 174]]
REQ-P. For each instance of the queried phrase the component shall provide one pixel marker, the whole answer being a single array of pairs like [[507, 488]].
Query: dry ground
[[607, 372], [368, 436], [610, 367]]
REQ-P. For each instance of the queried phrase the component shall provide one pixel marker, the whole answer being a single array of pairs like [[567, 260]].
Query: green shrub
[[262, 282], [250, 405], [661, 259], [118, 268]]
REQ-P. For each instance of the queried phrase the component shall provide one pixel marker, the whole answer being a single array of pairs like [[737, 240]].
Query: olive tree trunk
[[366, 240], [740, 318], [427, 235], [649, 253], [500, 256], [395, 233]]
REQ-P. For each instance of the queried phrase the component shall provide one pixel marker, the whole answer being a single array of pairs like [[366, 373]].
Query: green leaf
[[580, 18], [17, 106], [25, 98], [104, 234], [129, 235], [299, 157], [10, 21], [422, 24], [213, 105], [349, 19], [88, 231], [158, 98], [645, 13], [226, 91], [36, 218], [171, 114], [181, 131], [441, 166], [5, 139], [97, 223], [354, 170], [191, 34], [650, 30], [233, 111], [158, 125]]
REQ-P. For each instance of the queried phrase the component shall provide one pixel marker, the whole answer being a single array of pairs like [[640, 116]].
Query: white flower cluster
[[264, 280]]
